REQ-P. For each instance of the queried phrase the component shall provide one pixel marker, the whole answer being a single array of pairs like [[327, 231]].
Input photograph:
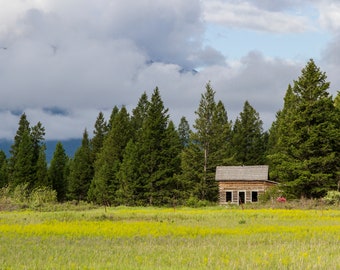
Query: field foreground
[[158, 238]]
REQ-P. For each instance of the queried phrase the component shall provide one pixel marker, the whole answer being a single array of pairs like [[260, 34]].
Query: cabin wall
[[248, 191]]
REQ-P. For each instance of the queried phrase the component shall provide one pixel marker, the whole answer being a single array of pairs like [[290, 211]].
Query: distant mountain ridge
[[70, 147]]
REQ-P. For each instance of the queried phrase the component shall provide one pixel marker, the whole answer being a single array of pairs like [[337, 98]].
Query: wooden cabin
[[242, 184]]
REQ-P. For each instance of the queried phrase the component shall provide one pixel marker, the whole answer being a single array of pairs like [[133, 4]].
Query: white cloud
[[243, 14], [329, 17], [67, 60], [260, 80], [281, 5], [9, 124]]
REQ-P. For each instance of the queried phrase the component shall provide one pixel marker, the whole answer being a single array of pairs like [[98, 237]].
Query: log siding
[[252, 180]]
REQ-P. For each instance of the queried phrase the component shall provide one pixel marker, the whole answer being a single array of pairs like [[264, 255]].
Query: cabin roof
[[248, 173]]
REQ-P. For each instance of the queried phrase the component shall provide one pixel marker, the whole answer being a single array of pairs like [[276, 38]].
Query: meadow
[[167, 238]]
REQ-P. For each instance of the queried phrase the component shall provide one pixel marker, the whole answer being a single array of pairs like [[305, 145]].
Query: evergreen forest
[[141, 158]]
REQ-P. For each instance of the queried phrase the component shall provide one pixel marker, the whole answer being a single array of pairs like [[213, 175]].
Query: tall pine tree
[[3, 169], [128, 191], [24, 128], [105, 183], [37, 133], [139, 113], [337, 101], [39, 156], [307, 153], [114, 112], [58, 172], [23, 171], [169, 186], [221, 136], [99, 133], [184, 131], [248, 142], [41, 169], [207, 148], [81, 171], [149, 144], [27, 164]]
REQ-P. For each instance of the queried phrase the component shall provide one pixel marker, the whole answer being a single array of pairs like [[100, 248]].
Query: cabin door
[[241, 197]]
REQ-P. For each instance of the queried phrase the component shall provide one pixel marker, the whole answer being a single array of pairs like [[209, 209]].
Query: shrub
[[41, 196], [192, 202], [21, 197], [332, 197], [195, 202], [21, 193], [5, 199], [5, 193], [271, 194]]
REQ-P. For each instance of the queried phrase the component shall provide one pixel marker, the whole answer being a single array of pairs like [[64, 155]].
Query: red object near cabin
[[281, 199]]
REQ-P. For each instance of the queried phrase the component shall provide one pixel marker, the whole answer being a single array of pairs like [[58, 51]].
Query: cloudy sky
[[63, 61]]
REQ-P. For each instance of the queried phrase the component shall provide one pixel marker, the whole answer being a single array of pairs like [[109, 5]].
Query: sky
[[64, 61]]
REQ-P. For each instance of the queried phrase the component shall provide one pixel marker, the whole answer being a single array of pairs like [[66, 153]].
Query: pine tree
[[3, 170], [273, 135], [105, 183], [184, 131], [37, 133], [308, 159], [24, 127], [192, 158], [41, 178], [208, 147], [139, 113], [127, 192], [203, 126], [81, 171], [248, 137], [220, 152], [149, 144], [114, 112], [57, 172], [337, 101], [100, 131], [39, 157], [23, 171], [26, 161], [279, 135], [169, 186], [337, 109]]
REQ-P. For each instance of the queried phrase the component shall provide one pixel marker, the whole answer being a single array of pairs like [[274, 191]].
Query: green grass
[[164, 238]]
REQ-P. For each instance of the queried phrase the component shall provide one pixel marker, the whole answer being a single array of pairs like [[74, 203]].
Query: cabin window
[[229, 196], [254, 196]]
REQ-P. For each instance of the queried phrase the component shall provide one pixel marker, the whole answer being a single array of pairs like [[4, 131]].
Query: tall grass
[[152, 238]]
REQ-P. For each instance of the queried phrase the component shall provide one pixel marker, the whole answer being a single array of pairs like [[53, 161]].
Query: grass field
[[165, 238]]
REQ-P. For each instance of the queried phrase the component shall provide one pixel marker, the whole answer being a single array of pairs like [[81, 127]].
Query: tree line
[[142, 158]]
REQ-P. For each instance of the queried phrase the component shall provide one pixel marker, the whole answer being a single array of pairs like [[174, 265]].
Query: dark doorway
[[241, 197]]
